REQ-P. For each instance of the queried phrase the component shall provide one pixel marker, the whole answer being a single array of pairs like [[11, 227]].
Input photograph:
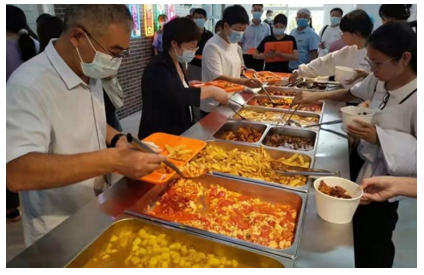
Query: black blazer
[[165, 99]]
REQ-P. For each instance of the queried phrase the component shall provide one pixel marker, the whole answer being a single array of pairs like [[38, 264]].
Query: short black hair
[[280, 18], [357, 21], [48, 28], [41, 16], [200, 11], [269, 11], [163, 16], [337, 9], [235, 14], [219, 24], [394, 39], [262, 5], [395, 11], [181, 30]]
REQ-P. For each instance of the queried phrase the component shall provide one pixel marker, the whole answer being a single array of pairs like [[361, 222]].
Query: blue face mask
[[302, 22], [187, 56], [200, 22], [235, 37], [278, 31], [335, 21], [257, 15]]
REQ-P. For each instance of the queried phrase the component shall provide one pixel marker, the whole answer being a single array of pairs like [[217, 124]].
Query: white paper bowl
[[343, 74], [335, 210], [349, 113]]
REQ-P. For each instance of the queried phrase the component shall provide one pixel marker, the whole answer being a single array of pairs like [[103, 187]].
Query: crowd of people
[[58, 84]]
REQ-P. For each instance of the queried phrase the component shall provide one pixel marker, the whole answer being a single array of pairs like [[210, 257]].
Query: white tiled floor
[[405, 236]]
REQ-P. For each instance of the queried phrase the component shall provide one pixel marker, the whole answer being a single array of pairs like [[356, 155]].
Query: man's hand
[[379, 188], [252, 83], [293, 77], [308, 97], [365, 131]]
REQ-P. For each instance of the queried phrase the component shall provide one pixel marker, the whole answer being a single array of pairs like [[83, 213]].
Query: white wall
[[32, 11], [328, 7]]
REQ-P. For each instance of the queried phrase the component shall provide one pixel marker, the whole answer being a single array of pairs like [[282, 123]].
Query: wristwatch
[[115, 139]]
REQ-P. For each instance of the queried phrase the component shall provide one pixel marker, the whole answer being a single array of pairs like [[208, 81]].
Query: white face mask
[[269, 18], [103, 65]]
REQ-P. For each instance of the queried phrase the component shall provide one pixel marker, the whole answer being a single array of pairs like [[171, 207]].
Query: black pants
[[12, 200], [252, 63], [373, 227]]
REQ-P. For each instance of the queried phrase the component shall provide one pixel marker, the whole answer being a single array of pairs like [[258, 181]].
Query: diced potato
[[153, 262], [214, 262], [113, 239], [235, 263], [142, 251], [137, 241], [165, 264]]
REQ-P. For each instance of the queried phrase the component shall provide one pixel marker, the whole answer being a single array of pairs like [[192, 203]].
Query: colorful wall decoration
[[149, 27], [135, 12], [171, 11]]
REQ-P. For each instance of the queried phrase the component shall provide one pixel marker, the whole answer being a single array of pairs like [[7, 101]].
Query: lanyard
[[387, 97]]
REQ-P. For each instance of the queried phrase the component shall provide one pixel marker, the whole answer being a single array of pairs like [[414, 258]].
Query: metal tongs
[[234, 110], [265, 91], [287, 170], [324, 123], [138, 144]]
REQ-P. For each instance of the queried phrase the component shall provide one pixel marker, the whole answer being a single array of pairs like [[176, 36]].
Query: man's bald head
[[97, 18]]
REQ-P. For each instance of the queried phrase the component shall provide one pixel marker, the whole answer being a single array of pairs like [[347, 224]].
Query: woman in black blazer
[[167, 98]]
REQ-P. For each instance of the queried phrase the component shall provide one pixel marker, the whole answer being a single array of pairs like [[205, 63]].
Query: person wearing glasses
[[388, 145], [356, 27], [56, 130], [167, 97]]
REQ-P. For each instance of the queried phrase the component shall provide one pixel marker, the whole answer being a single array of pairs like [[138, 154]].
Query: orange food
[[242, 135], [228, 213], [336, 191]]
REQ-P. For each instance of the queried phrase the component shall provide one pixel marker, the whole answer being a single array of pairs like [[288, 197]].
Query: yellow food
[[253, 164], [145, 248], [270, 116], [179, 152]]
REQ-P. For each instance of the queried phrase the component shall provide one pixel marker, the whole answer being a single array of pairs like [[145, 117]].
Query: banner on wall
[[149, 27], [171, 11], [135, 12]]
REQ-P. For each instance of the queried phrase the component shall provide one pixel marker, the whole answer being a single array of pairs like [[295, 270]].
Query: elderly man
[[56, 125]]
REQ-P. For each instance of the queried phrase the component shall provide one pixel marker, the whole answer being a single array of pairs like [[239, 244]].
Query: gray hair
[[97, 18]]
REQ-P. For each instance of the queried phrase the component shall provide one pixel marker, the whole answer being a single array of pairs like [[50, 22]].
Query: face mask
[[257, 15], [302, 22], [335, 21], [200, 22], [235, 37], [278, 31], [103, 65], [269, 18], [187, 56]]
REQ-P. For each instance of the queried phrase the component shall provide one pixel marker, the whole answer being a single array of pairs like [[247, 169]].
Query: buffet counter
[[319, 243]]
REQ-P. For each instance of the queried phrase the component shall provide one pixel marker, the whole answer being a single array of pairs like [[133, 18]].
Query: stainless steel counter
[[321, 245]]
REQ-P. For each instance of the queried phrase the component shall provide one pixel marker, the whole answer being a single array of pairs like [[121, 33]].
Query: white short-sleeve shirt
[[219, 58], [50, 110]]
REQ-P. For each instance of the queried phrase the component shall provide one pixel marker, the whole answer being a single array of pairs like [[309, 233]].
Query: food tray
[[245, 256], [223, 85], [293, 132], [235, 125], [282, 112], [265, 193], [249, 103], [162, 139]]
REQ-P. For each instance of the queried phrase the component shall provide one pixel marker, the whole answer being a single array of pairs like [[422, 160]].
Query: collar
[[66, 74], [304, 30], [403, 92], [253, 24]]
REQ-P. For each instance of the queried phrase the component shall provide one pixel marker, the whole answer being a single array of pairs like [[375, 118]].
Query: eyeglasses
[[374, 66], [123, 54], [385, 100]]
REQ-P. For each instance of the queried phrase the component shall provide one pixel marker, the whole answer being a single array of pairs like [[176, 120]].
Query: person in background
[[392, 91], [279, 28], [218, 26], [167, 97], [253, 36], [194, 68], [336, 45], [356, 27], [306, 38], [330, 33], [157, 41], [269, 18], [383, 188], [48, 27], [191, 12], [56, 154], [20, 46], [221, 60], [42, 16]]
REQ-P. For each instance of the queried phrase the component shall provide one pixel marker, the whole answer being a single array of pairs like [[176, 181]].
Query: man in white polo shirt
[[253, 36], [55, 120], [221, 59]]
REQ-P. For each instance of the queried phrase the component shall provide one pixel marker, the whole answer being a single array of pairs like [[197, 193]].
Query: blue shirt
[[157, 41], [307, 40], [253, 36]]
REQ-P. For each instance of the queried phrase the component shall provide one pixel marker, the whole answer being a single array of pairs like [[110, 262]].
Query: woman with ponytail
[[20, 46]]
